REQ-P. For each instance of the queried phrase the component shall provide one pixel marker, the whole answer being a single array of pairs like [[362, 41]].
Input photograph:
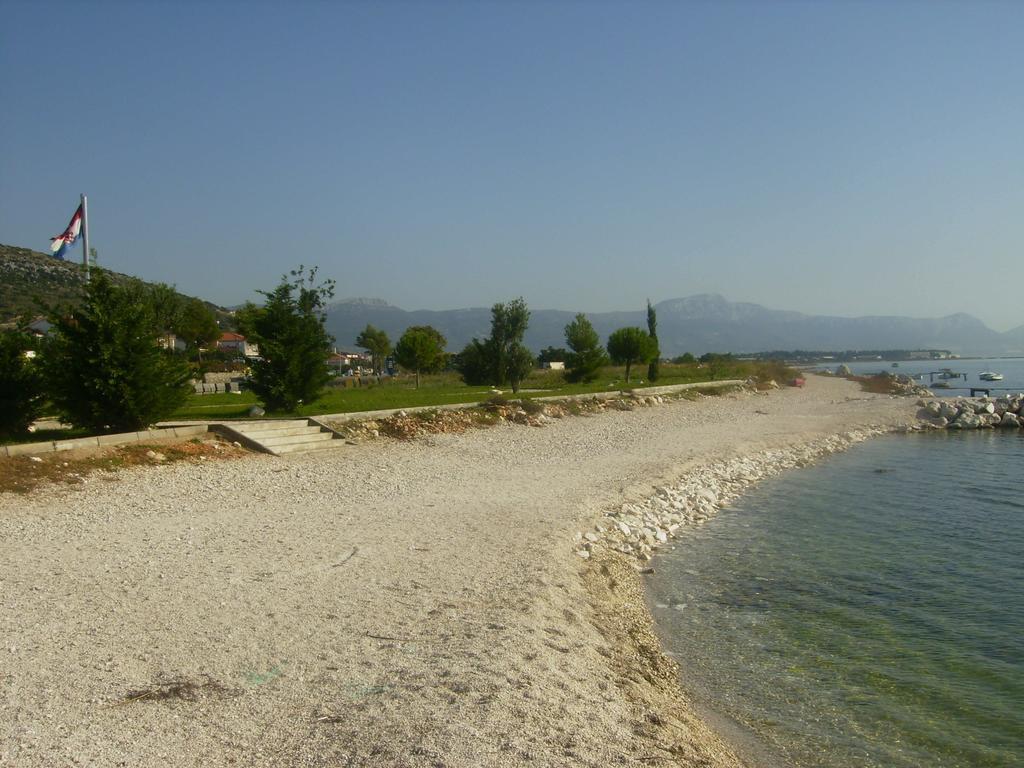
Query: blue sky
[[844, 158]]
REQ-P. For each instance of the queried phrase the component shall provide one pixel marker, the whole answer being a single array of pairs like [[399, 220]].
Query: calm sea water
[[1011, 368], [867, 611]]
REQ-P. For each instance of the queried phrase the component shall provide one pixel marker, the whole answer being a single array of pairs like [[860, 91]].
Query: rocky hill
[[30, 279]]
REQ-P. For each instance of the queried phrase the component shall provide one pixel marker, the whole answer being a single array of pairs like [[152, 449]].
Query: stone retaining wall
[[123, 438], [641, 391]]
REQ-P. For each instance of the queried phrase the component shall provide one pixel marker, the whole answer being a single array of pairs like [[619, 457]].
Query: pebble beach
[[469, 599]]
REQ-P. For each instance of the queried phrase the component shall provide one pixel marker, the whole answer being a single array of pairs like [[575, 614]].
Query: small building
[[173, 342], [553, 365], [236, 342], [343, 361]]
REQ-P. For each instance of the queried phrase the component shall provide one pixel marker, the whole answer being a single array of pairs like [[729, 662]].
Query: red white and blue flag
[[62, 242]]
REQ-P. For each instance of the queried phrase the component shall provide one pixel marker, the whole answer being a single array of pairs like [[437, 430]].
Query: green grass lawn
[[447, 389]]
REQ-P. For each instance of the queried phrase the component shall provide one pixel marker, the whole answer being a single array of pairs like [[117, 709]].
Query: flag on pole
[[60, 243]]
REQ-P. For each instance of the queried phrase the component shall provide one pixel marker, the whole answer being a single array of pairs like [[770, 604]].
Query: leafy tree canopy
[[500, 358], [473, 363], [103, 364], [196, 324], [294, 345], [587, 358], [378, 346], [421, 350], [630, 345], [21, 386], [552, 355]]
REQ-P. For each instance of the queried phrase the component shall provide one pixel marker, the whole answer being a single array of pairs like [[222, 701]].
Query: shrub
[[473, 363], [103, 365], [532, 407], [289, 329], [21, 385], [587, 357]]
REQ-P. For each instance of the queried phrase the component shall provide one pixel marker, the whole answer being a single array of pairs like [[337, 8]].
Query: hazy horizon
[[833, 159]]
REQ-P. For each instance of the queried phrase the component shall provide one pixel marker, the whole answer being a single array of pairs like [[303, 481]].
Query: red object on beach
[[797, 382]]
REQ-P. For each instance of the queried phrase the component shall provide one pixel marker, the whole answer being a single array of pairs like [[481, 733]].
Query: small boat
[[990, 376], [948, 374], [941, 385], [895, 365]]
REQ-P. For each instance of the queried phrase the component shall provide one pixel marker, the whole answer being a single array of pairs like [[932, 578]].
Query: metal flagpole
[[85, 235]]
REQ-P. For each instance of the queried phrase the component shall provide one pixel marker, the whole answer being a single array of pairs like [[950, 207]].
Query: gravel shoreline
[[387, 604]]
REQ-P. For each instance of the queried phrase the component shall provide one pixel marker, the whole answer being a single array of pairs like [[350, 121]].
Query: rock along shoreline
[[626, 538], [639, 529]]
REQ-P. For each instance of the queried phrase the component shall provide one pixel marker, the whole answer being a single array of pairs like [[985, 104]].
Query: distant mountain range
[[697, 324]]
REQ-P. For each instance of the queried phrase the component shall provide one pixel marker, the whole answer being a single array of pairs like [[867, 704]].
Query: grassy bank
[[448, 389]]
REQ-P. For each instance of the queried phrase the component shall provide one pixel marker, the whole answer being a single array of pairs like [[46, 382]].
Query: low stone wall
[[1005, 412], [123, 438]]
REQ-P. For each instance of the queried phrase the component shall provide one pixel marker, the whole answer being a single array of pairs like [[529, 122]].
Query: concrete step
[[262, 423], [269, 434], [322, 445], [267, 426], [310, 437]]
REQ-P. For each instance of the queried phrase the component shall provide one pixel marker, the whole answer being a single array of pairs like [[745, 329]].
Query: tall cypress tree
[[653, 367]]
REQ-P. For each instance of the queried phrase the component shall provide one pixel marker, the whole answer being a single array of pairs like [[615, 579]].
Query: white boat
[[990, 376]]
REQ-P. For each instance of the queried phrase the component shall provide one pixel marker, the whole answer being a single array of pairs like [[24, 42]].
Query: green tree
[[166, 302], [473, 363], [377, 344], [289, 329], [21, 385], [653, 367], [502, 355], [684, 358], [421, 350], [103, 364], [587, 357], [552, 355], [508, 325], [627, 346], [196, 324], [519, 363]]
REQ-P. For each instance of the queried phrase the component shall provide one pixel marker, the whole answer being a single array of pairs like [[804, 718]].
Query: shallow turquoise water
[[867, 611]]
